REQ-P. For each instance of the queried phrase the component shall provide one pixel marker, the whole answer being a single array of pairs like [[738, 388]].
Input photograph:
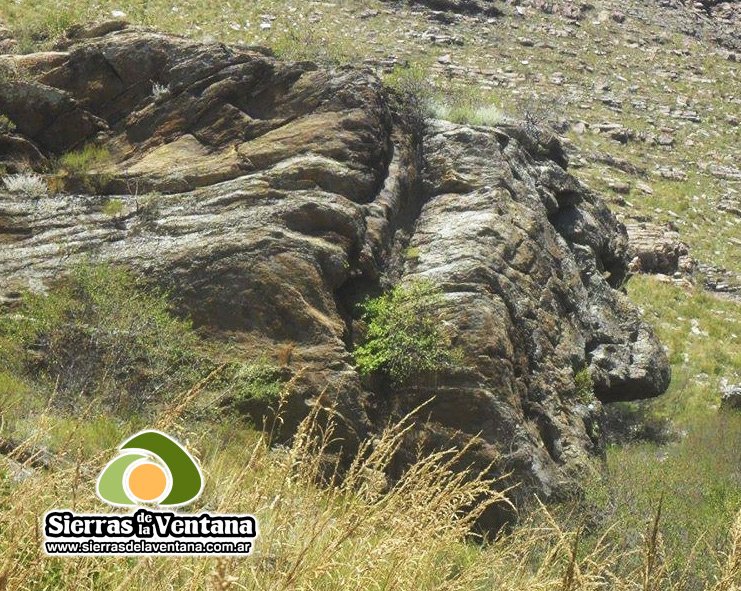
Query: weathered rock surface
[[270, 197], [731, 397], [657, 249]]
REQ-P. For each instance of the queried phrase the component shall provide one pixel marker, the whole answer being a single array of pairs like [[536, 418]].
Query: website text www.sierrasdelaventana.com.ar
[[148, 532]]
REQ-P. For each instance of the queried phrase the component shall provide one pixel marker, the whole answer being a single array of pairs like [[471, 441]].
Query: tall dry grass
[[359, 532]]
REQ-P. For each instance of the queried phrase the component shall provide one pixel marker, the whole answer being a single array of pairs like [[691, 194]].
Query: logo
[[151, 475], [150, 468]]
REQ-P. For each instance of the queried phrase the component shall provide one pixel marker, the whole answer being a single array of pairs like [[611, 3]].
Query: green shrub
[[85, 169], [405, 337], [113, 207], [6, 124], [411, 253], [83, 161], [246, 383], [414, 89], [100, 332], [584, 388]]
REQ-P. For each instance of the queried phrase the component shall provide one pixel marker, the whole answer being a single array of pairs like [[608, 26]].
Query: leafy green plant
[[584, 388], [405, 336], [100, 331], [258, 381], [6, 124]]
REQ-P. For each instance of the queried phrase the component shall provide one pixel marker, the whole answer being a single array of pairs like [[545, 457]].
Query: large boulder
[[270, 197]]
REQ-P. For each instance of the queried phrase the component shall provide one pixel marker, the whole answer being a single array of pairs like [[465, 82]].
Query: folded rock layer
[[270, 197]]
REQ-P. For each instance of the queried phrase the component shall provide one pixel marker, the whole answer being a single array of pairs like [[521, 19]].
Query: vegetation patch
[[6, 124], [113, 207], [584, 387], [28, 184], [84, 169], [405, 335], [100, 332], [245, 384], [313, 44]]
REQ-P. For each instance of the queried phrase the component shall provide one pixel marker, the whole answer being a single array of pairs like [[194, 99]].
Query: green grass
[[83, 161], [113, 207], [363, 533], [100, 332], [698, 474], [246, 384], [703, 335], [584, 386], [699, 480], [83, 170]]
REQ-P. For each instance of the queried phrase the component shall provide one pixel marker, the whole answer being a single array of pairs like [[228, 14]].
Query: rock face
[[271, 197]]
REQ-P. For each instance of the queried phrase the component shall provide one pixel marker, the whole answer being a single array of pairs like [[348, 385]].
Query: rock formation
[[271, 197]]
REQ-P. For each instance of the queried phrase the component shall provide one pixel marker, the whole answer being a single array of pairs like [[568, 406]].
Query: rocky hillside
[[271, 197]]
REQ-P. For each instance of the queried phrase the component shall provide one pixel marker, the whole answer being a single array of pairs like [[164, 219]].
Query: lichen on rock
[[270, 198]]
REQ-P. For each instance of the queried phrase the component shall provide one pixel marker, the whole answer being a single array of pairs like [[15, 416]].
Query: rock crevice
[[286, 193]]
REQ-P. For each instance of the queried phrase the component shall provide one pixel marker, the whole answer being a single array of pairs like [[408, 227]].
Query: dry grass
[[26, 184], [360, 532]]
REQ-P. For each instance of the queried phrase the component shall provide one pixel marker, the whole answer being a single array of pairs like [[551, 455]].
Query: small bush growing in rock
[[257, 381], [113, 207], [413, 86], [584, 391], [6, 124], [84, 160], [83, 169], [28, 184], [405, 335], [159, 92]]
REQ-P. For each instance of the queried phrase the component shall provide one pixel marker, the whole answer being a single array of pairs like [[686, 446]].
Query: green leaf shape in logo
[[187, 481], [111, 481]]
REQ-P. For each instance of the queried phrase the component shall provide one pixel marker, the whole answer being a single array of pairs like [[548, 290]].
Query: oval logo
[[151, 467]]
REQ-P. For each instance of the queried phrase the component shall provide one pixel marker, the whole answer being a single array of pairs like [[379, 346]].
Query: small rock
[[644, 188], [731, 397], [619, 188]]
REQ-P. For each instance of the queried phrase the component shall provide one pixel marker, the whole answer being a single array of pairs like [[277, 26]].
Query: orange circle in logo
[[147, 482]]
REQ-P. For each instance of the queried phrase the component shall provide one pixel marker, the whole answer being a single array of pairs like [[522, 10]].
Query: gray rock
[[285, 194], [730, 399]]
